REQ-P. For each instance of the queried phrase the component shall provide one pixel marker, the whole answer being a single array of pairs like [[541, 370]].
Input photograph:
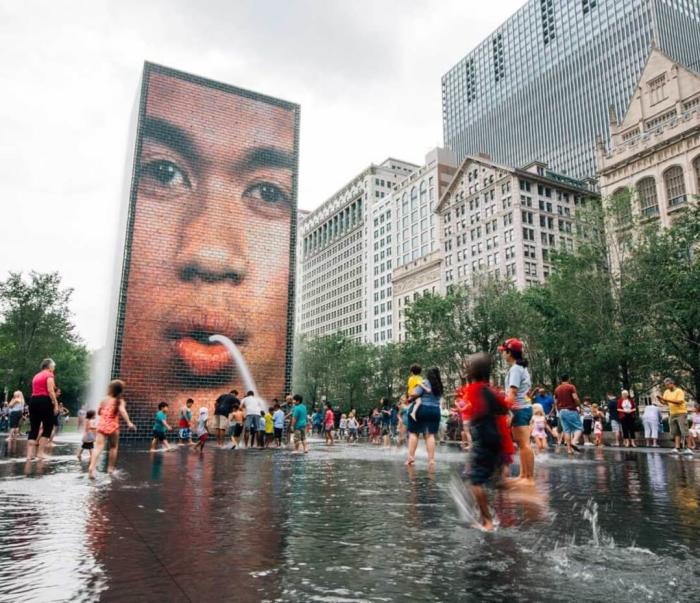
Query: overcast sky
[[365, 72]]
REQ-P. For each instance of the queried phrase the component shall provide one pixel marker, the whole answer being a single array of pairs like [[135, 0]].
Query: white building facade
[[501, 222], [336, 251]]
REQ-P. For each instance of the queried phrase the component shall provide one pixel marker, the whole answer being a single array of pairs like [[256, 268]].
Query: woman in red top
[[43, 407], [626, 411], [329, 424]]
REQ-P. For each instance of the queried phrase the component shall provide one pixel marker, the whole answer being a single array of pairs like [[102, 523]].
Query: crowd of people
[[492, 422]]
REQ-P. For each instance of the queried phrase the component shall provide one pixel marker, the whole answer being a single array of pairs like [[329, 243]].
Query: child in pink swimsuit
[[111, 408]]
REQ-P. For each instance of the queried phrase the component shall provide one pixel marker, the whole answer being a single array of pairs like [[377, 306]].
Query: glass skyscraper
[[541, 86]]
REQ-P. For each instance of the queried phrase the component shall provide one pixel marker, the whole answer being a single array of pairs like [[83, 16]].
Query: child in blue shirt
[[160, 427]]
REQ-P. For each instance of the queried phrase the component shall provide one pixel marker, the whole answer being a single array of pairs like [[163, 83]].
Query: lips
[[190, 341]]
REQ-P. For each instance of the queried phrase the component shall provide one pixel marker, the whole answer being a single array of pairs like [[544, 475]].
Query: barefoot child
[[109, 411], [160, 427], [89, 434], [185, 423], [539, 427], [598, 429], [202, 433], [487, 456], [414, 380]]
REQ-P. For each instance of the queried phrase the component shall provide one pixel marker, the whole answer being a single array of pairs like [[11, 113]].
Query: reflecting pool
[[349, 523]]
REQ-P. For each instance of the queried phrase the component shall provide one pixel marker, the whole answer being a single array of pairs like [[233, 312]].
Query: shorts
[[251, 422], [15, 416], [204, 437], [300, 435], [386, 429], [221, 422], [185, 433], [521, 417], [553, 422], [159, 435], [87, 446], [278, 433], [570, 421], [427, 420], [236, 430], [587, 426], [329, 427], [678, 424], [615, 426], [484, 463]]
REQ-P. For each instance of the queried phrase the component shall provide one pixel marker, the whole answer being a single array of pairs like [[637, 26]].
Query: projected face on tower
[[213, 205]]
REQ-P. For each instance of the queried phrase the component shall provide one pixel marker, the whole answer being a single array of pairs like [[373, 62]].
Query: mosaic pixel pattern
[[209, 247]]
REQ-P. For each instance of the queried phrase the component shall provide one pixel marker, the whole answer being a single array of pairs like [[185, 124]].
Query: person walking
[[651, 419], [518, 383], [43, 407], [111, 408], [567, 403], [614, 418], [15, 408], [627, 411], [328, 424], [427, 420], [298, 424], [674, 398]]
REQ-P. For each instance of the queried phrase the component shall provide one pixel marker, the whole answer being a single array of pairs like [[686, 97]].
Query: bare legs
[[521, 435], [96, 452], [483, 502], [413, 445]]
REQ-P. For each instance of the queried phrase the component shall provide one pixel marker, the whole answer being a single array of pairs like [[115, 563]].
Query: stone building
[[503, 222], [653, 157]]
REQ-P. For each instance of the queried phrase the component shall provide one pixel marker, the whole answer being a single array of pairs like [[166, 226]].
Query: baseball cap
[[512, 345]]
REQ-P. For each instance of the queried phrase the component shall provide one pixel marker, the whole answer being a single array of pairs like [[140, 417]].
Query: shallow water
[[350, 523]]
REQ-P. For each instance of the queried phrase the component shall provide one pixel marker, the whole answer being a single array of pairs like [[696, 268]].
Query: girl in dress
[[539, 427]]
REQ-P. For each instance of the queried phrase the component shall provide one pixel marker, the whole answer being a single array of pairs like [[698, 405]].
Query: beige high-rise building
[[654, 153]]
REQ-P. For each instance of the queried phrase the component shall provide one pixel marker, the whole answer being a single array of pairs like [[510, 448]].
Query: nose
[[213, 246]]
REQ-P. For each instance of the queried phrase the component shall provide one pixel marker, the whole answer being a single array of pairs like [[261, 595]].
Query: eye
[[266, 192], [164, 174]]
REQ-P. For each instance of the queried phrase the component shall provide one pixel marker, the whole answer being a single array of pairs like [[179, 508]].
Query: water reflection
[[351, 524]]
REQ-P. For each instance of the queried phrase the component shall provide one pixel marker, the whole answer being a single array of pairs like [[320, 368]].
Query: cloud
[[366, 73]]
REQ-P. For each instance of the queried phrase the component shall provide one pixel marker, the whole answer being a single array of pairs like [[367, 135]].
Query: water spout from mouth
[[238, 360]]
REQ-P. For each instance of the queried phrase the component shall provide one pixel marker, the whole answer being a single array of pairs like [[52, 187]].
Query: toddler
[[160, 427], [352, 426], [89, 434], [694, 432], [539, 427], [185, 432], [414, 380], [342, 426], [202, 433], [598, 429]]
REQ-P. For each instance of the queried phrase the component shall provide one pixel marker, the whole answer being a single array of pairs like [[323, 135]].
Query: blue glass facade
[[541, 85]]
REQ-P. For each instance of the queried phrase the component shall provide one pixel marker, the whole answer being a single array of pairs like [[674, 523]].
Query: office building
[[502, 222], [337, 250], [653, 158], [541, 86]]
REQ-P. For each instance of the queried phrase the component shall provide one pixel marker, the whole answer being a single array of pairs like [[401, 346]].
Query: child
[[185, 424], [110, 409], [269, 429], [342, 426], [488, 446], [598, 429], [352, 426], [261, 430], [587, 416], [694, 433], [414, 380], [89, 434], [160, 426], [202, 433], [539, 427]]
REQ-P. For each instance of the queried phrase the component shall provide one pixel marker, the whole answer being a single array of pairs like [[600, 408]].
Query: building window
[[648, 201], [547, 11], [499, 67], [675, 186], [470, 80], [696, 166], [621, 205], [656, 89], [588, 5]]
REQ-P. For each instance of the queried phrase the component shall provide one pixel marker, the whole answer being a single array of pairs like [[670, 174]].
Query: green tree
[[36, 322]]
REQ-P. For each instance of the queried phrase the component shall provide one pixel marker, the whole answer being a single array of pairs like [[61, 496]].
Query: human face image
[[212, 209]]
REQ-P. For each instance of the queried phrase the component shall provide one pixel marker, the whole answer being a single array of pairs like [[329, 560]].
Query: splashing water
[[239, 361]]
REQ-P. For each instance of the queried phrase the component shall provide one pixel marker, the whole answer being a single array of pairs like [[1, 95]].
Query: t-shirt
[[343, 423], [652, 413], [413, 382], [159, 423], [426, 395], [299, 416], [253, 405], [224, 404], [202, 425], [612, 409], [352, 423], [40, 383], [679, 396], [546, 401], [695, 422], [519, 377], [278, 419], [329, 419], [564, 395], [268, 423], [386, 414]]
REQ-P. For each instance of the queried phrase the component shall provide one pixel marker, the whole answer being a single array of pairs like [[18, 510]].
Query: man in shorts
[[252, 408], [222, 409], [567, 404], [298, 425], [674, 398]]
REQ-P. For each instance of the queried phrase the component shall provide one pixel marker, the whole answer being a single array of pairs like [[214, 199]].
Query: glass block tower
[[545, 83]]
